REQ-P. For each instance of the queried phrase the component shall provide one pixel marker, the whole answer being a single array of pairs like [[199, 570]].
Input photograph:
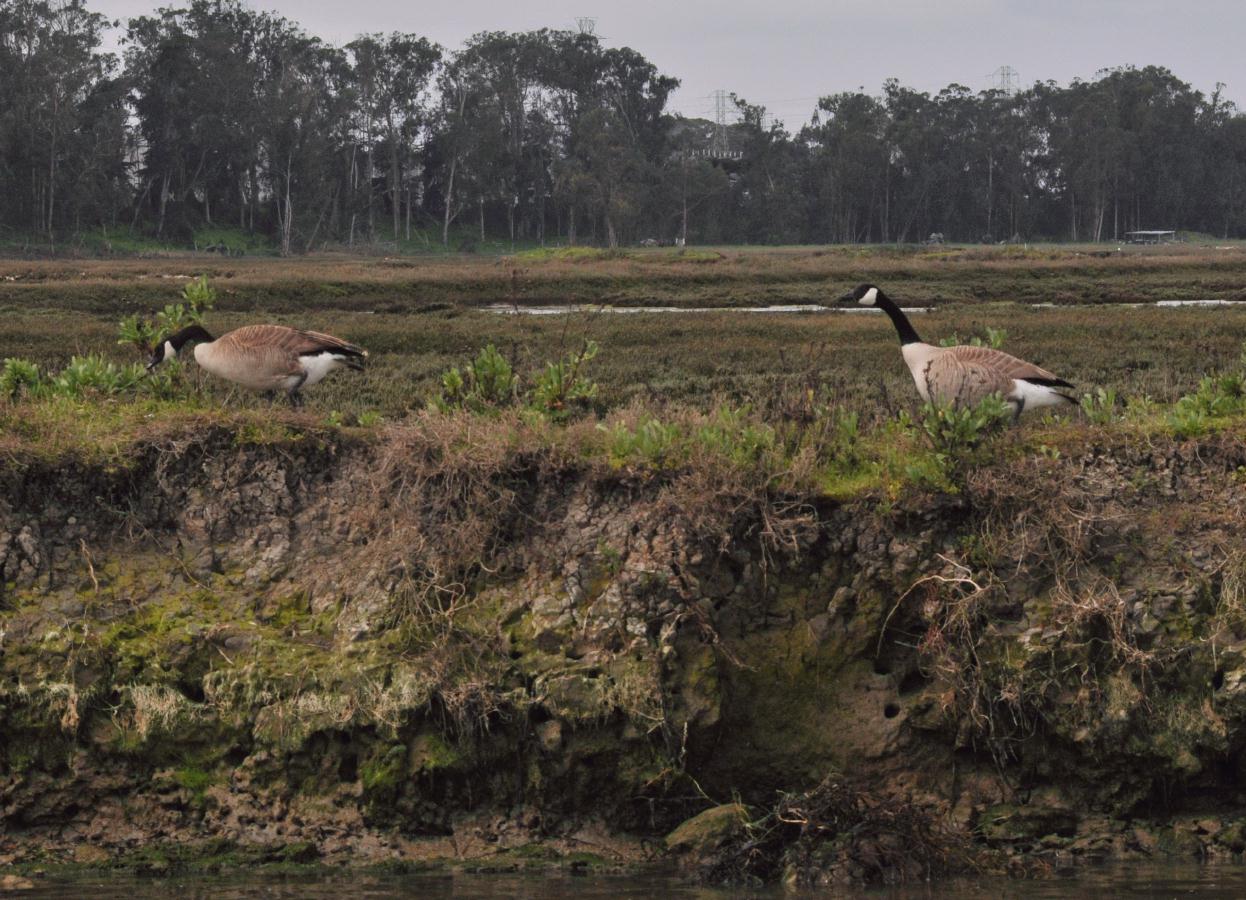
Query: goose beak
[[846, 298]]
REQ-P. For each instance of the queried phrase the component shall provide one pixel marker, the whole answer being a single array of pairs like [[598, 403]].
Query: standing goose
[[963, 375], [265, 357]]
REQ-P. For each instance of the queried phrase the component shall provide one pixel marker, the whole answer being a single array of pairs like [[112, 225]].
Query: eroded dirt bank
[[426, 646]]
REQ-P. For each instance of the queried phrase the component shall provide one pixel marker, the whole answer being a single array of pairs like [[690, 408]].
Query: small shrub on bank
[[489, 382], [19, 378], [198, 297], [87, 375], [1100, 407], [560, 387], [647, 444], [1217, 397], [955, 431]]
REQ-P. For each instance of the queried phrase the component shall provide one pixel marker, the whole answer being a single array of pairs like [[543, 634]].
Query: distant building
[[1151, 237]]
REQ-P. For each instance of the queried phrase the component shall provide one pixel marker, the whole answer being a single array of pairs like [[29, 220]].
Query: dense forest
[[220, 116]]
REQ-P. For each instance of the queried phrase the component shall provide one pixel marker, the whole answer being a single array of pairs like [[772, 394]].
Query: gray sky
[[783, 54]]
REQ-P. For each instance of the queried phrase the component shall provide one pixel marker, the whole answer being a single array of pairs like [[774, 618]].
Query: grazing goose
[[265, 357], [964, 376]]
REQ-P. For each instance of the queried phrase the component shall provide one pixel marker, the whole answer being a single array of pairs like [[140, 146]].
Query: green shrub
[[1187, 421], [487, 382], [650, 443], [730, 435], [560, 388], [139, 332], [1217, 396], [93, 374], [1100, 407], [19, 377], [954, 434], [953, 430], [198, 298]]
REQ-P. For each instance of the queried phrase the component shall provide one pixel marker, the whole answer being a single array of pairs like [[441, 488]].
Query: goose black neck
[[903, 326], [190, 333]]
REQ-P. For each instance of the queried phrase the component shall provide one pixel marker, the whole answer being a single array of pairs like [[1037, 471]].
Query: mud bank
[[431, 647]]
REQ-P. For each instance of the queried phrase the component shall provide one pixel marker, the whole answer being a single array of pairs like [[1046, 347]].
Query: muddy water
[[810, 308], [1150, 880]]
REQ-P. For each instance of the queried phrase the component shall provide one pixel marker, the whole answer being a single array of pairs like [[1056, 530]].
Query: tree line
[[219, 115]]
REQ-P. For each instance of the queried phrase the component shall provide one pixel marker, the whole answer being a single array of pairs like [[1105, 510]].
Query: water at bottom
[[1146, 880]]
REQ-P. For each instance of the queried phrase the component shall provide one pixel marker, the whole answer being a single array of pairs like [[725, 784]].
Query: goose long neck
[[908, 335], [191, 333]]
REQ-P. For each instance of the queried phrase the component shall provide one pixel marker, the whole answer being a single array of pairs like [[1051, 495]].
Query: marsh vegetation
[[639, 564]]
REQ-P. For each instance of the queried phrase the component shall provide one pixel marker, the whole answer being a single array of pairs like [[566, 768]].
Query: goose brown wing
[[292, 341], [318, 342], [1005, 364], [963, 382]]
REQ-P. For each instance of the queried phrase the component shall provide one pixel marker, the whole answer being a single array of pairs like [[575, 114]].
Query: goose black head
[[169, 347], [863, 295]]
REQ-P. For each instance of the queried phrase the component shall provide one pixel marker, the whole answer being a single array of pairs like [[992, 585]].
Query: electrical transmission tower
[[719, 145], [1006, 79], [586, 24]]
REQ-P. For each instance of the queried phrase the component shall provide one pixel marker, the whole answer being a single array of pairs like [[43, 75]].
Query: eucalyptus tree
[[459, 148], [58, 91], [195, 74], [848, 168], [694, 187], [770, 202], [391, 76], [302, 99]]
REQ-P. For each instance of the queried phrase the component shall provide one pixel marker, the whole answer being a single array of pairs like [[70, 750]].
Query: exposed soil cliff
[[424, 645]]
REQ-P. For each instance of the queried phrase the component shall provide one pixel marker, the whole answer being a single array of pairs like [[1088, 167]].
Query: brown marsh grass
[[1066, 274], [778, 363]]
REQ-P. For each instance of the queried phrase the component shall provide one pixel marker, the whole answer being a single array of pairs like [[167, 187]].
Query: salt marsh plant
[[489, 382], [198, 298], [19, 378]]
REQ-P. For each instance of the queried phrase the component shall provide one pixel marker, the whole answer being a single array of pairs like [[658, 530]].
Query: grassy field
[[419, 319], [697, 277]]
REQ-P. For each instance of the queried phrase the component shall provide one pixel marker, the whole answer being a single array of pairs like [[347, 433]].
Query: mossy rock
[[706, 832]]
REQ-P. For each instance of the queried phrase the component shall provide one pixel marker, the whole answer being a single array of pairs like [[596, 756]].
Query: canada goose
[[264, 357], [964, 376]]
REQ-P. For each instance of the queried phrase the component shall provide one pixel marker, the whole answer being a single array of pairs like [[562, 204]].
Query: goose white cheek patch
[[868, 298]]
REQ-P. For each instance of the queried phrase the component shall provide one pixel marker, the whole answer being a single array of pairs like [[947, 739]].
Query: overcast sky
[[784, 54]]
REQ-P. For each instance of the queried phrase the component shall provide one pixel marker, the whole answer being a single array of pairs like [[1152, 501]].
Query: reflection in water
[[1148, 880]]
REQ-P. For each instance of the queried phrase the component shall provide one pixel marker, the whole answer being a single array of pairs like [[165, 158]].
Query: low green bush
[[198, 298], [93, 375], [18, 378]]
